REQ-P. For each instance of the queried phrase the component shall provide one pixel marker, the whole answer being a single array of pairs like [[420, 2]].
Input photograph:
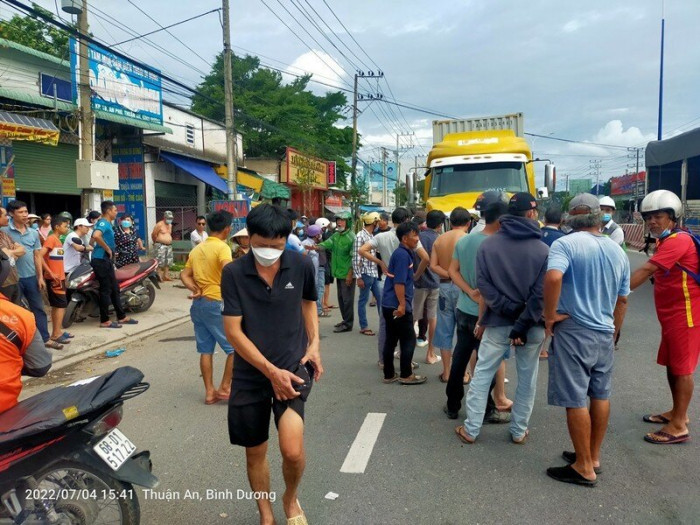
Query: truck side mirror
[[550, 177]]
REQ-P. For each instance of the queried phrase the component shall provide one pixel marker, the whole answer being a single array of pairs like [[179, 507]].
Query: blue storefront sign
[[129, 198], [119, 86]]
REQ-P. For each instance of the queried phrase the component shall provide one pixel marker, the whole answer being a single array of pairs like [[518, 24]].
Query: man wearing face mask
[[275, 368], [677, 301], [610, 227], [162, 237], [340, 244]]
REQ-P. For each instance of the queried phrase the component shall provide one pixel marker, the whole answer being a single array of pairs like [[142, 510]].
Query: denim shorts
[[580, 365], [209, 326], [446, 316]]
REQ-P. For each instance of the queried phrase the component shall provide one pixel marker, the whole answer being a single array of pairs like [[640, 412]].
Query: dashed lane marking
[[361, 449]]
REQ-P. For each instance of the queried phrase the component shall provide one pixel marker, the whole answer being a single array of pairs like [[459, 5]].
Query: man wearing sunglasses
[[199, 235]]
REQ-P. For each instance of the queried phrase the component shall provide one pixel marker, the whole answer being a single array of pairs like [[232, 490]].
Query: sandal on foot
[[367, 331], [657, 419], [128, 320], [664, 438], [62, 340], [570, 457], [54, 345], [66, 335], [520, 440], [389, 380], [442, 379], [463, 436], [568, 474], [413, 379], [110, 325]]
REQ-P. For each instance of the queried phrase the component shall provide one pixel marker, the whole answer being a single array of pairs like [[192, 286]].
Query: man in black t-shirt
[[270, 318]]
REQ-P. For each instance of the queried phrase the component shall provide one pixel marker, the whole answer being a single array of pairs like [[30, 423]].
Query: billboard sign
[[577, 186], [304, 169], [119, 86], [374, 175], [625, 185], [331, 173], [129, 198]]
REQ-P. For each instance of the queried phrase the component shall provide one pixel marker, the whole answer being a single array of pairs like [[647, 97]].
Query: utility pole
[[231, 139], [661, 74], [355, 98], [567, 183], [396, 153], [384, 186], [86, 116], [595, 166], [633, 156]]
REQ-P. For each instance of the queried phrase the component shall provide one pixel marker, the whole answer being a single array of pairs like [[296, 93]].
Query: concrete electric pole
[[89, 199], [231, 139], [595, 166]]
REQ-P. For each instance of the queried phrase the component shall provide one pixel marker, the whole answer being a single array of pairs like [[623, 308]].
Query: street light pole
[[231, 139], [85, 103]]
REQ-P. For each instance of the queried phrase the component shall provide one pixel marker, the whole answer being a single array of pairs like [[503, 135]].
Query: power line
[[167, 27]]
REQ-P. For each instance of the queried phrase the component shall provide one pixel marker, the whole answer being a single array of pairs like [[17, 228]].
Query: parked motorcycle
[[137, 289], [63, 460]]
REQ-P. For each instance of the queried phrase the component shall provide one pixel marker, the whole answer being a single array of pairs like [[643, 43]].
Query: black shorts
[[249, 415], [56, 292]]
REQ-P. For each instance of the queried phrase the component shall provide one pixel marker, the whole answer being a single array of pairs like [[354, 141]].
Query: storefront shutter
[[45, 169]]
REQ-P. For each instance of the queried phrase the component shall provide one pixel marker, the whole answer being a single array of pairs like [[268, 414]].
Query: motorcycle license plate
[[115, 449]]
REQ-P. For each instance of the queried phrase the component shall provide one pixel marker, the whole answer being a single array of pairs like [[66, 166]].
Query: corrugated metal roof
[[29, 51], [38, 100], [119, 119]]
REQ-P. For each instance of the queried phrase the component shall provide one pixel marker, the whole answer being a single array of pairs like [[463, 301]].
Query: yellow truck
[[472, 156]]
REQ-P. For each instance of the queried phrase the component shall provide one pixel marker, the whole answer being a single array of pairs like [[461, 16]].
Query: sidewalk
[[170, 308]]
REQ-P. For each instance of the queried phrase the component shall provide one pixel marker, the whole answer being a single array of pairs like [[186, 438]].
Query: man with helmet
[[608, 226], [677, 301], [340, 245], [365, 271]]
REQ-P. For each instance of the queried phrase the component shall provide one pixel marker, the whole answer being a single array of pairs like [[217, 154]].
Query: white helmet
[[663, 200], [607, 201], [322, 222]]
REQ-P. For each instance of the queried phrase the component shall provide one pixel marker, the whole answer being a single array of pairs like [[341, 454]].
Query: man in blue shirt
[[397, 308], [552, 223], [29, 266], [101, 262]]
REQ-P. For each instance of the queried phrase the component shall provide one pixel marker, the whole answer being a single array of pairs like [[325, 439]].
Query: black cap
[[489, 198], [522, 201]]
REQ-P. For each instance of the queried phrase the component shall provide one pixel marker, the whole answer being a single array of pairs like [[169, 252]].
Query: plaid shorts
[[164, 254]]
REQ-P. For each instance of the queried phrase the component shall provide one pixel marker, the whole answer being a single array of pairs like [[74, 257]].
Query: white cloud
[[323, 68], [614, 133]]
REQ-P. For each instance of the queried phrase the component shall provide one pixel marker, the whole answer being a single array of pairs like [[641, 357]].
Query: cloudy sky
[[586, 71]]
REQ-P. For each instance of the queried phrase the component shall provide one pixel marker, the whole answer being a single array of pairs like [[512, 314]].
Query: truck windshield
[[477, 178]]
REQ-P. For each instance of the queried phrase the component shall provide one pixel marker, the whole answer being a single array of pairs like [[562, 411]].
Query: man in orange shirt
[[677, 301], [22, 351], [55, 277]]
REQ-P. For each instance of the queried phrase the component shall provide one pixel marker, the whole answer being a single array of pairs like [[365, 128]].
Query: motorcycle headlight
[[77, 281]]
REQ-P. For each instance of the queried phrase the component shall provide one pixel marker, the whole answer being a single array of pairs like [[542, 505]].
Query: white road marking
[[361, 449]]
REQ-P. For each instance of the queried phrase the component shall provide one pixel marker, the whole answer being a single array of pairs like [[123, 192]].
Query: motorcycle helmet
[[67, 215], [370, 217], [322, 222], [313, 231], [607, 201], [488, 198], [662, 200]]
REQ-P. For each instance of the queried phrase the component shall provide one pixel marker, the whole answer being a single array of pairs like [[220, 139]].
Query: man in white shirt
[[608, 226], [72, 251], [199, 235]]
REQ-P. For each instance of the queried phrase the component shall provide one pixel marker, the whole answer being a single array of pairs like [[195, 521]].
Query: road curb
[[61, 363]]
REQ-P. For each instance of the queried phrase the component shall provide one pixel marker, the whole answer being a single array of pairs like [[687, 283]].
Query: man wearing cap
[[365, 271], [585, 297], [162, 237], [510, 268], [73, 247]]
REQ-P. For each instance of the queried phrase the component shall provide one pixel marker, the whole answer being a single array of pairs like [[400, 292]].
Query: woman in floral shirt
[[127, 242]]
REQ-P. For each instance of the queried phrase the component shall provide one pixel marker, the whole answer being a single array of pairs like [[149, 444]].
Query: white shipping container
[[514, 121]]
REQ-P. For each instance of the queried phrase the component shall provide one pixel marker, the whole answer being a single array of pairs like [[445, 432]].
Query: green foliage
[[401, 194], [272, 115], [36, 34]]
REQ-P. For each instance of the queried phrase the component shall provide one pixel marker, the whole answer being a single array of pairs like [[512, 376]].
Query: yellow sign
[[302, 169], [8, 187], [107, 195], [243, 178], [12, 131]]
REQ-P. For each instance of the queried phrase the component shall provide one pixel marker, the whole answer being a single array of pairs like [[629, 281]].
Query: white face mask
[[266, 256]]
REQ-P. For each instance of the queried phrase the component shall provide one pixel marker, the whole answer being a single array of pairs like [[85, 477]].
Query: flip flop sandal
[[129, 321], [367, 332], [570, 457], [62, 340], [66, 335], [110, 325], [463, 436], [211, 401], [657, 419], [53, 345], [442, 380], [324, 314], [668, 439]]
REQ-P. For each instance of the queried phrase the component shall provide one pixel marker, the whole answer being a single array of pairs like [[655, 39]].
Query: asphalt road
[[418, 472]]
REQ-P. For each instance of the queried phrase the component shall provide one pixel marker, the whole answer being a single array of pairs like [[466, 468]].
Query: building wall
[[21, 71], [265, 166]]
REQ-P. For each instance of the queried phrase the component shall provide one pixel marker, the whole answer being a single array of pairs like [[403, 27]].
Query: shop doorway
[[51, 203]]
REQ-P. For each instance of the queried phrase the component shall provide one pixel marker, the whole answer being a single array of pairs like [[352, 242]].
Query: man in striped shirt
[[365, 271]]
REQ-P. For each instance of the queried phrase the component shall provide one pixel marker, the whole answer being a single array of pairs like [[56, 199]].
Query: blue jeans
[[371, 285], [30, 289], [494, 348], [446, 317], [209, 326], [320, 288]]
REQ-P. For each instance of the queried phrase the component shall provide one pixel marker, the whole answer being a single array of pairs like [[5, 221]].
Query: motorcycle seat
[[57, 406], [131, 270]]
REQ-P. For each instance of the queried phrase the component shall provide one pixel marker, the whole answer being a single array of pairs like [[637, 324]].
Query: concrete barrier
[[634, 235]]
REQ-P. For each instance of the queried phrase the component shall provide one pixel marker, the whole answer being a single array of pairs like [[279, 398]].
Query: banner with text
[[305, 170], [129, 198]]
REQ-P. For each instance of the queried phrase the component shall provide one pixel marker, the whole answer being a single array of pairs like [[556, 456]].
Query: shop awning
[[268, 189], [22, 127], [337, 210], [201, 170]]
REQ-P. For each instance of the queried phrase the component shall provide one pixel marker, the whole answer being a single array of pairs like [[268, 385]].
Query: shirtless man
[[162, 237], [440, 259]]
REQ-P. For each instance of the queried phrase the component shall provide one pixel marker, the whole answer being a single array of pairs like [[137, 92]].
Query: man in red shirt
[[22, 351], [677, 300]]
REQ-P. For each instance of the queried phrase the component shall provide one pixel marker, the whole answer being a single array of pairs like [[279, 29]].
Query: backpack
[[696, 241]]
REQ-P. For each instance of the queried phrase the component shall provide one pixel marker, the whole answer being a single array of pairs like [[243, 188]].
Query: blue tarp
[[370, 208], [197, 168]]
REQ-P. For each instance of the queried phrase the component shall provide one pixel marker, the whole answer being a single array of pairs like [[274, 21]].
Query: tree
[[37, 34], [272, 115]]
